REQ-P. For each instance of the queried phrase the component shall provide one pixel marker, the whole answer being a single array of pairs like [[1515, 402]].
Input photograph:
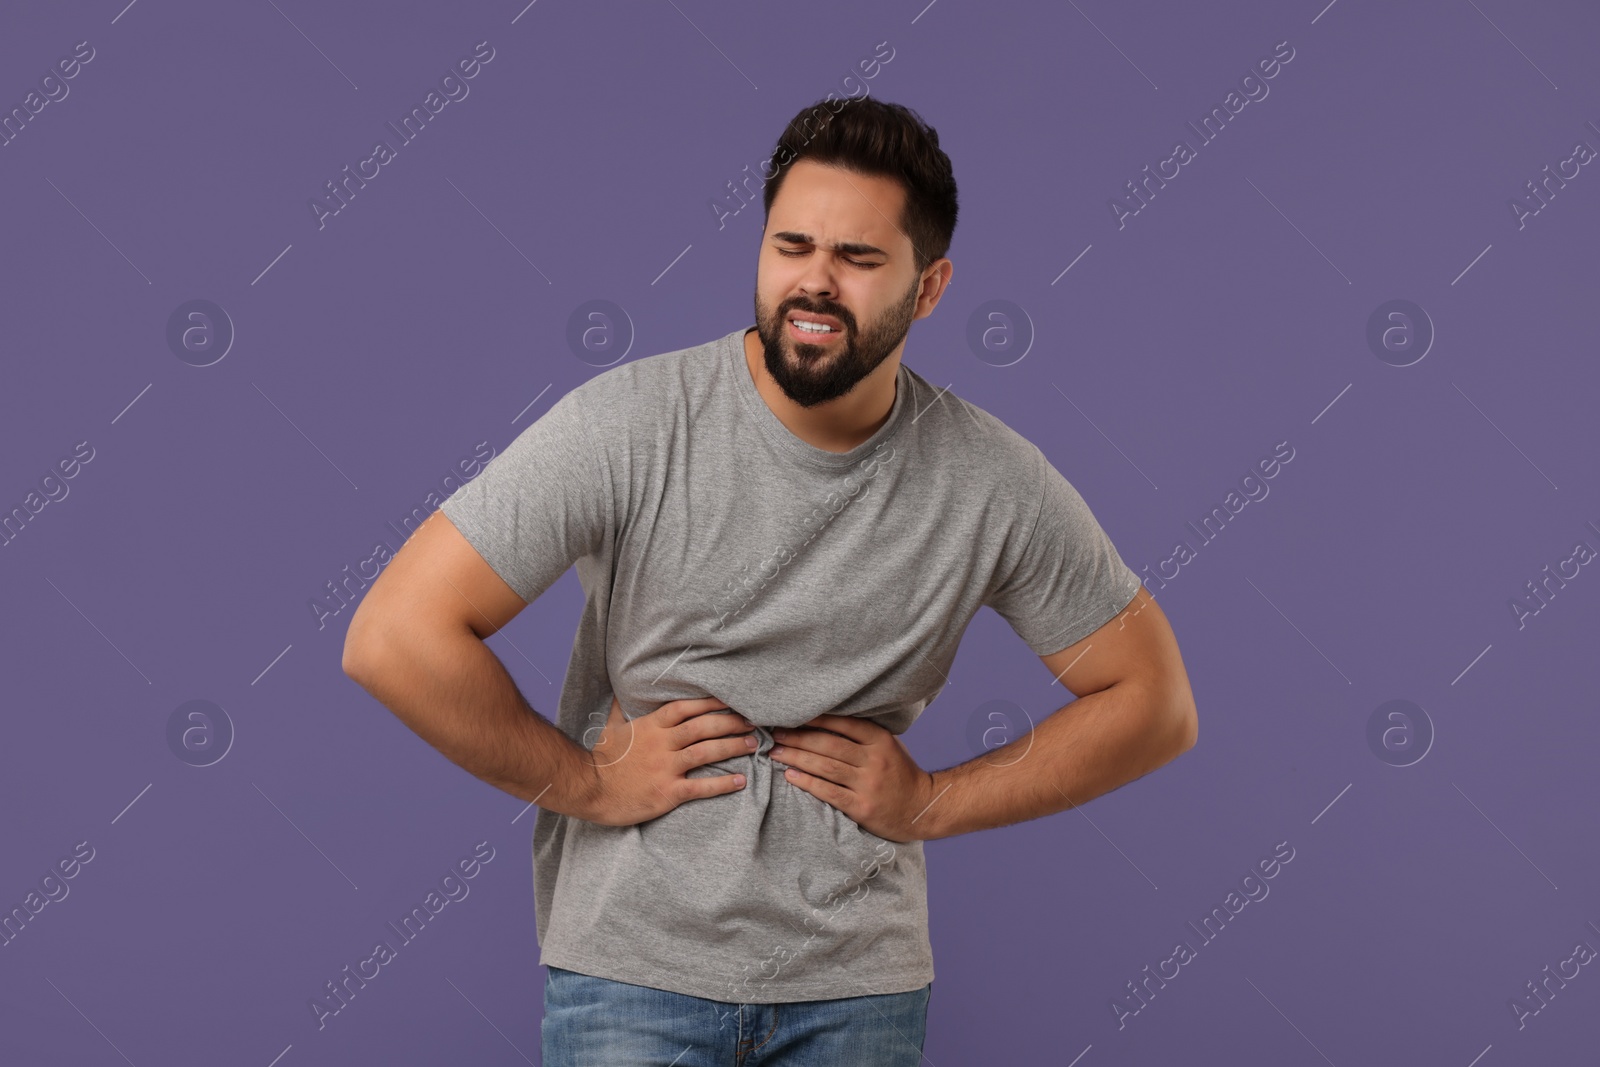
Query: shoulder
[[973, 443], [633, 413], [665, 382]]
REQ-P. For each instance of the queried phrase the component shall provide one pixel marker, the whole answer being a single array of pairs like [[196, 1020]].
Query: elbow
[[1191, 733], [1177, 726], [349, 663], [1172, 727], [359, 651], [1188, 723], [353, 663]]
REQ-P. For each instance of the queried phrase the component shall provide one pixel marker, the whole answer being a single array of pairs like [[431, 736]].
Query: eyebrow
[[849, 248]]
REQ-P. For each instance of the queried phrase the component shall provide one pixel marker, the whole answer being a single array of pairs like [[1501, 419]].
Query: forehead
[[832, 204]]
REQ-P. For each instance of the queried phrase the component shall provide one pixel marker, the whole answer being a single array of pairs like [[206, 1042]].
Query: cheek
[[871, 305], [774, 282]]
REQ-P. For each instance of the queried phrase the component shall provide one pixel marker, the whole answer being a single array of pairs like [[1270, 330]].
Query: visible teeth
[[812, 327]]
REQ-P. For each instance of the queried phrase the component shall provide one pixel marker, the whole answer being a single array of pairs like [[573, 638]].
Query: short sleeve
[[1068, 580], [539, 506]]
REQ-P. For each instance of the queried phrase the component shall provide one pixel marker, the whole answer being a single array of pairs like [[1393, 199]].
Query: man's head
[[860, 210]]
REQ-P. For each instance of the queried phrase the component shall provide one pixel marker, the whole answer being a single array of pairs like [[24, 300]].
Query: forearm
[[1098, 742], [454, 693]]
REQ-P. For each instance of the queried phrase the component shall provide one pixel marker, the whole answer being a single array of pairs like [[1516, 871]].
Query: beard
[[812, 374]]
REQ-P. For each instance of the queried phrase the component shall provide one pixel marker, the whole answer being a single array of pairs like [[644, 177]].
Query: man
[[781, 535]]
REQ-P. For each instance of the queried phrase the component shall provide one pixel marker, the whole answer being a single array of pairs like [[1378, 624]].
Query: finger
[[712, 724], [817, 766], [717, 750], [728, 720], [857, 729], [716, 785], [840, 749], [674, 712], [824, 790]]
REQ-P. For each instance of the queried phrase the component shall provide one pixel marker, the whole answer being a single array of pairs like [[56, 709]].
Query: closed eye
[[852, 262]]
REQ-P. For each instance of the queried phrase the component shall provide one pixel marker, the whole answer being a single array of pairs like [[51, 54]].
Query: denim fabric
[[596, 1022]]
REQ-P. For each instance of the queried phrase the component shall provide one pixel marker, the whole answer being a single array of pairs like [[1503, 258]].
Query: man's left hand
[[860, 768]]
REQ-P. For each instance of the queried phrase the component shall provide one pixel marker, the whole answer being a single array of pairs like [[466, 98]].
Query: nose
[[817, 281]]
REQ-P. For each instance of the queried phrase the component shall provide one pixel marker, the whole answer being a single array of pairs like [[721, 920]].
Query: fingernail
[[750, 743]]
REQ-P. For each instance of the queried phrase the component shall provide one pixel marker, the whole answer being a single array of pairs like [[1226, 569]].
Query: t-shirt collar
[[784, 438]]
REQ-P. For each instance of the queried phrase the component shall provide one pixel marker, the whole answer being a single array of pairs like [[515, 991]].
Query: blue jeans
[[597, 1022]]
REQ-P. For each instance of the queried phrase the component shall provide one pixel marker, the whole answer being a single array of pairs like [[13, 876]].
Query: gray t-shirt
[[720, 555]]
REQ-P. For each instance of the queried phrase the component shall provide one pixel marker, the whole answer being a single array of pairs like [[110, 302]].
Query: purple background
[[431, 313]]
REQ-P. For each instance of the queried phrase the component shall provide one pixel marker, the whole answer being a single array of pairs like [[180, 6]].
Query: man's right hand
[[640, 765]]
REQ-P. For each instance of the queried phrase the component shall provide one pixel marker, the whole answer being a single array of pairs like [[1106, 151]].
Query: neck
[[842, 423]]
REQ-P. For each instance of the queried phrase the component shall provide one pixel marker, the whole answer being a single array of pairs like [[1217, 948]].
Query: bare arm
[[1134, 713], [416, 643]]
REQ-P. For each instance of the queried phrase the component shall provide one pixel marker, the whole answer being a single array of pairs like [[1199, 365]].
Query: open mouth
[[812, 333]]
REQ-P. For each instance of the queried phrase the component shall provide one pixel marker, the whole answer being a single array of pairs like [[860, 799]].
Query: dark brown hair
[[887, 140]]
